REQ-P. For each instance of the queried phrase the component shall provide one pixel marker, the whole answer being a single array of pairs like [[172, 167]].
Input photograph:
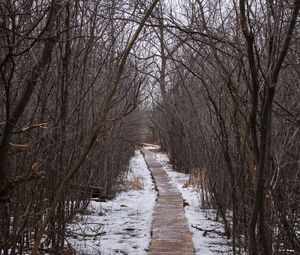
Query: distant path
[[170, 232]]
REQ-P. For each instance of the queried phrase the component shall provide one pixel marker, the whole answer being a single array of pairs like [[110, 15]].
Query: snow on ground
[[204, 244], [123, 225], [119, 226], [149, 146]]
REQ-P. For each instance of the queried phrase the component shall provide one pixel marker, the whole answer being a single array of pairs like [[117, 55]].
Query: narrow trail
[[170, 232]]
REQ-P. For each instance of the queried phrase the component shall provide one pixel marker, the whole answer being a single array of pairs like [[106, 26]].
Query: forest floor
[[123, 225]]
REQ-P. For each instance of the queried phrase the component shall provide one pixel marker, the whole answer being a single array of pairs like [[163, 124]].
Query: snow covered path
[[170, 232], [123, 225]]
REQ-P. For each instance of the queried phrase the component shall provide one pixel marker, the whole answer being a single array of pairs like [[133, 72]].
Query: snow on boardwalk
[[170, 232]]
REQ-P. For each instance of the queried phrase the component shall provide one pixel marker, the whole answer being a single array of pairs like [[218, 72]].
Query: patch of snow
[[122, 225], [151, 146], [199, 219]]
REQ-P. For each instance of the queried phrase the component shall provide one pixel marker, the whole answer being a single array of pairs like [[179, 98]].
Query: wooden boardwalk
[[170, 232]]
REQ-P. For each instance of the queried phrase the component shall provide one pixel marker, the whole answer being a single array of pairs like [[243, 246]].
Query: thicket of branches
[[229, 113], [69, 86], [224, 80]]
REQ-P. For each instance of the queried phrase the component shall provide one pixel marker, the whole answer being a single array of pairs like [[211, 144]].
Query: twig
[[205, 230]]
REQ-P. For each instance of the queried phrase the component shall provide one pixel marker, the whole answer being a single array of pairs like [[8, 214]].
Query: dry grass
[[135, 184], [197, 177]]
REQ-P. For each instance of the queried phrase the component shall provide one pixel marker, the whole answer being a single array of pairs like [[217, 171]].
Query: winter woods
[[221, 82], [68, 86], [230, 115]]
